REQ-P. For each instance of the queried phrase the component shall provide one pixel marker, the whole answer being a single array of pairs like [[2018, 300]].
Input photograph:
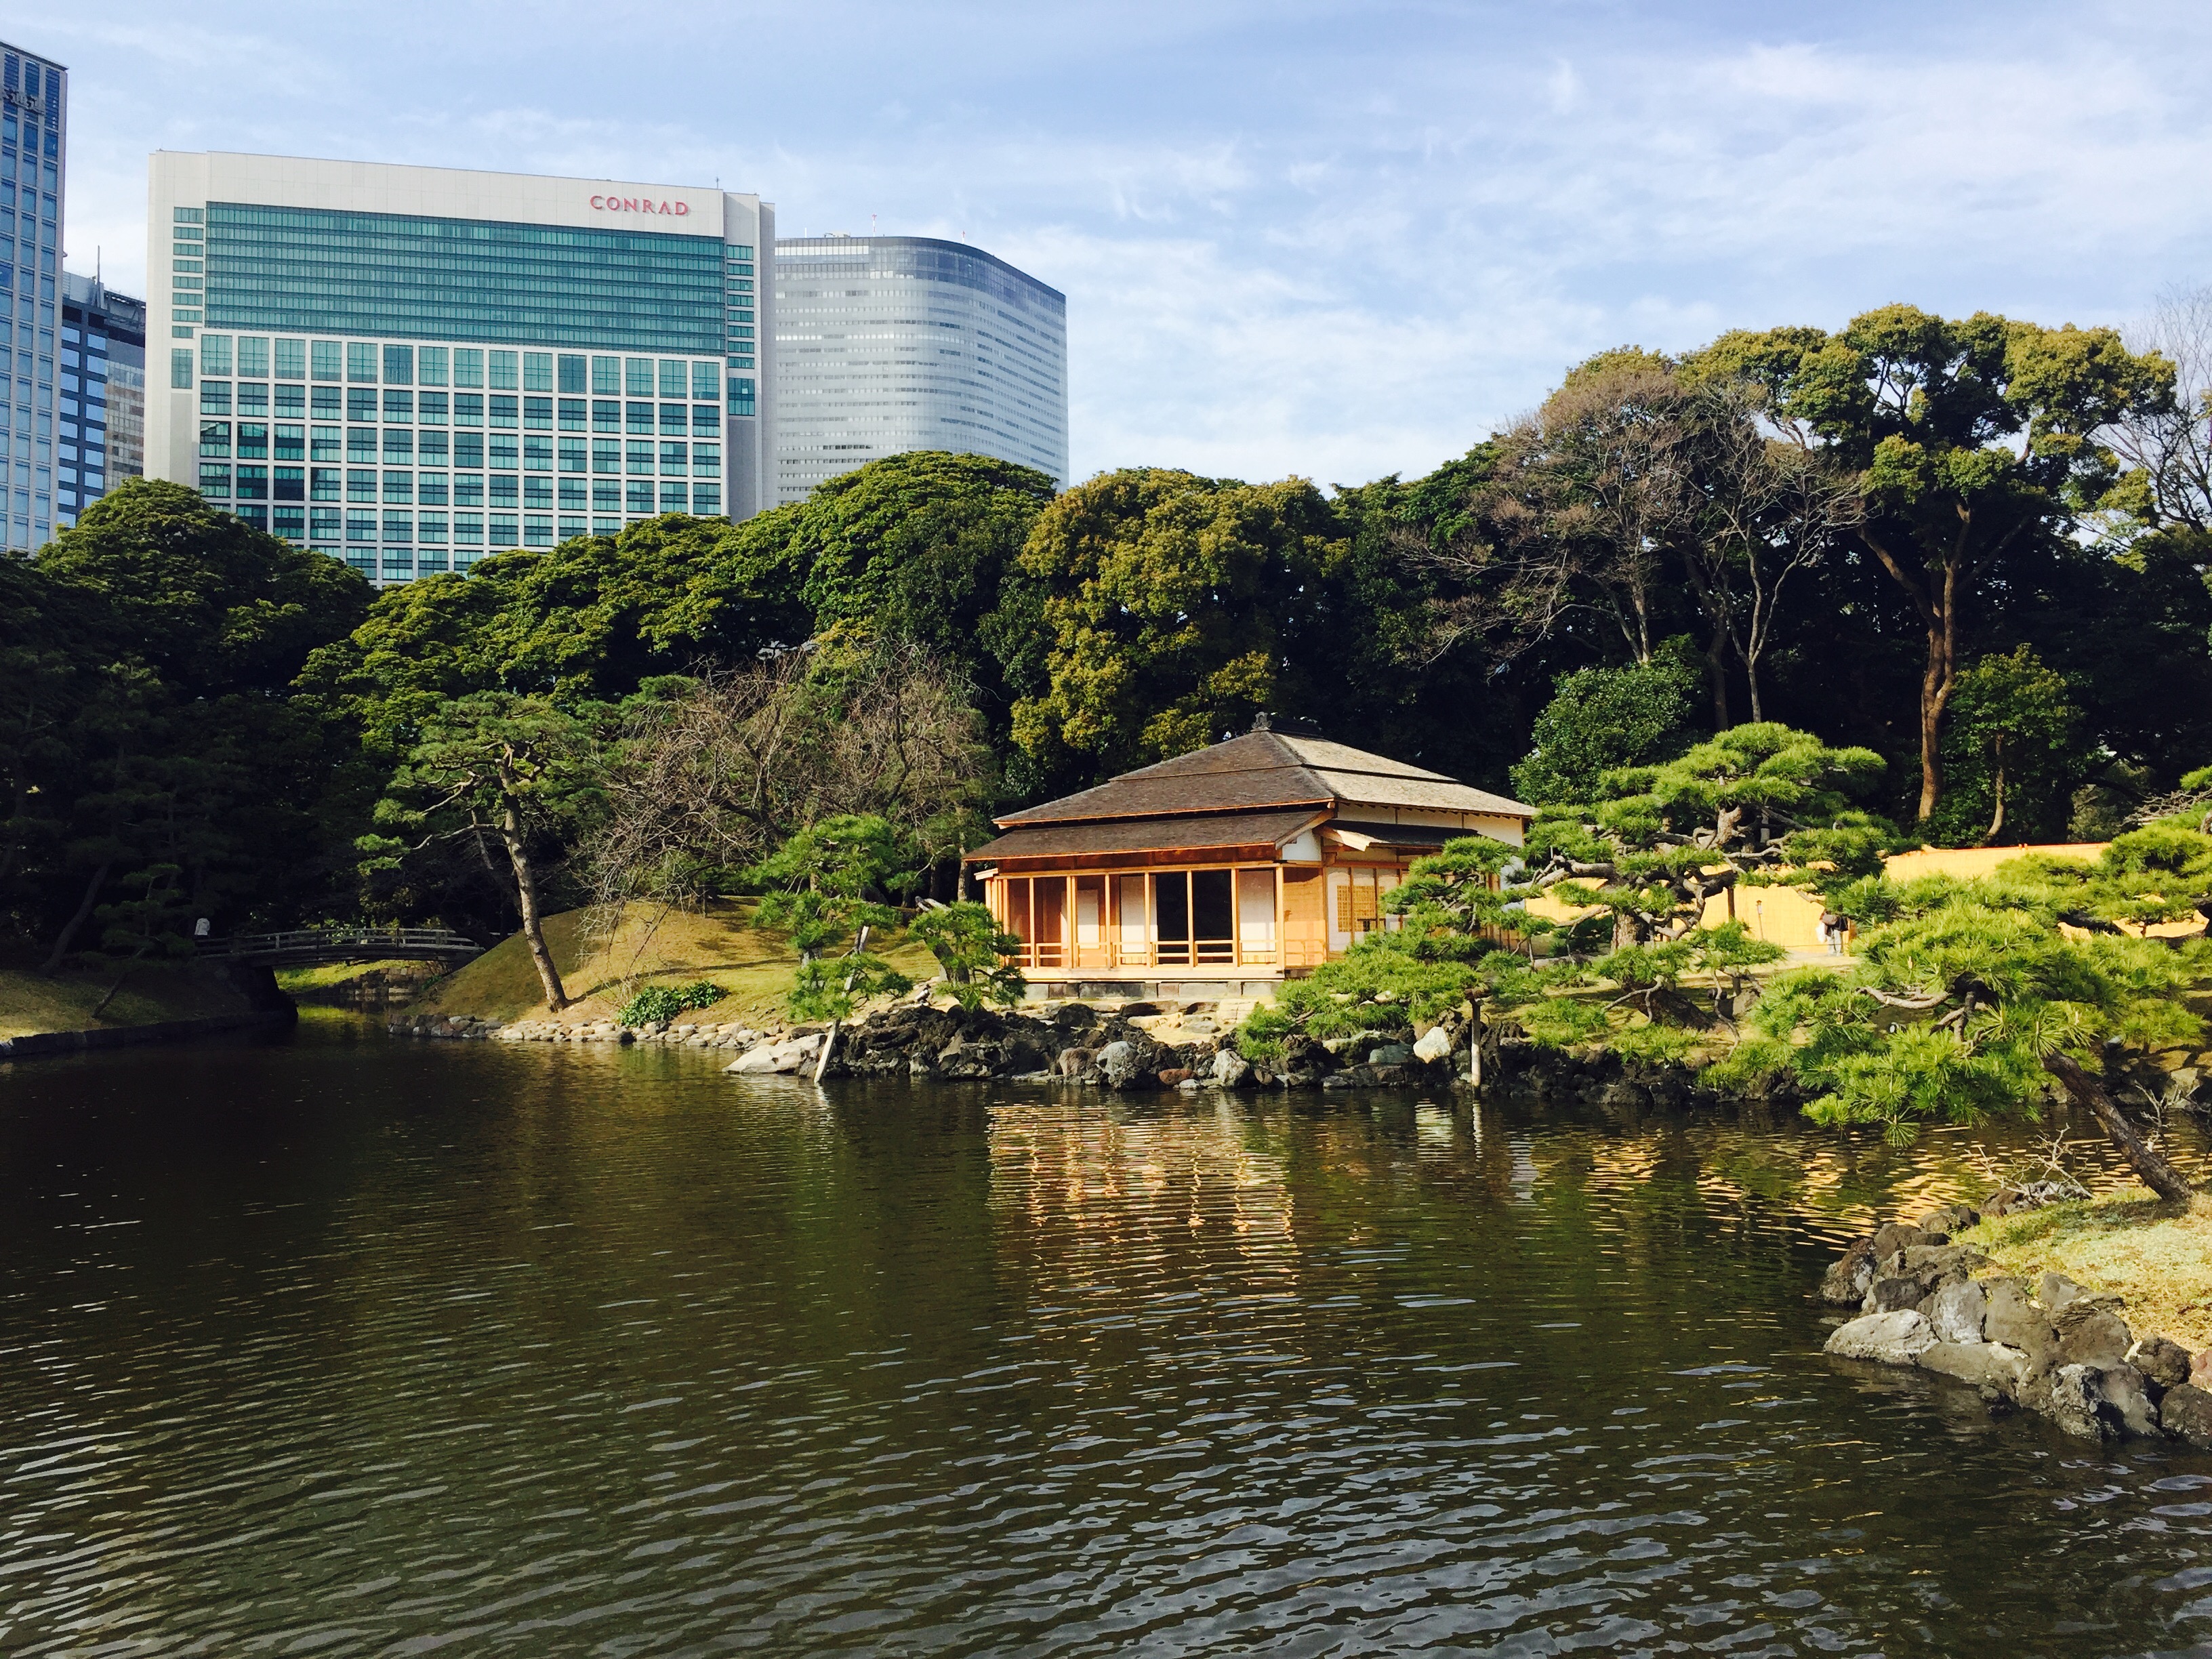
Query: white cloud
[[1315, 238]]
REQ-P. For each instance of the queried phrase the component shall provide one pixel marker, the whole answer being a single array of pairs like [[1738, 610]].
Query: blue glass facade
[[33, 170], [100, 437], [411, 368], [397, 276]]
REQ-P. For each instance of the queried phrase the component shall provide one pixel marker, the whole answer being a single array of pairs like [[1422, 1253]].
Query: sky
[[1332, 241]]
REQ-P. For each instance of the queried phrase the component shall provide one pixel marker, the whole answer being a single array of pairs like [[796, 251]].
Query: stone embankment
[[1137, 1046], [1926, 1303]]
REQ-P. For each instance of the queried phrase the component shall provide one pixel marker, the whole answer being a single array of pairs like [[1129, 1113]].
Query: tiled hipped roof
[[1263, 788], [1264, 769]]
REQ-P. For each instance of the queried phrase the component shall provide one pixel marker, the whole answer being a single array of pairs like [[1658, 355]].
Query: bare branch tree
[[1588, 498], [2171, 445], [1771, 508], [710, 782]]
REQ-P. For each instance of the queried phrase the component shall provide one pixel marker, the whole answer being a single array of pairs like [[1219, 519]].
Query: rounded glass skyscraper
[[890, 344]]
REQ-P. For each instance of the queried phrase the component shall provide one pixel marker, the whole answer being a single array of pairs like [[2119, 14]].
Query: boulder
[[2101, 1402], [1075, 1062], [2164, 1363], [2091, 1334], [1890, 1239], [2012, 1319], [2199, 1371], [1888, 1295], [2055, 1290], [2186, 1414], [770, 1059], [1390, 1054], [1950, 1261], [1137, 1010], [1949, 1218], [1436, 1044], [1230, 1069], [1124, 1065], [1174, 1077], [1956, 1311], [1851, 1276], [1896, 1337], [1983, 1364]]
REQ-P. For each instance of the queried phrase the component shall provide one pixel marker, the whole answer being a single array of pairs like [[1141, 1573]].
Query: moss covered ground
[[602, 967], [30, 1003], [2157, 1256]]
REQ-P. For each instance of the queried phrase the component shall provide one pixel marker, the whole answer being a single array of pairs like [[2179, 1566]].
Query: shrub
[[660, 1004]]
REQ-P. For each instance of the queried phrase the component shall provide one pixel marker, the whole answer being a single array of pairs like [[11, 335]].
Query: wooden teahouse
[[1222, 871]]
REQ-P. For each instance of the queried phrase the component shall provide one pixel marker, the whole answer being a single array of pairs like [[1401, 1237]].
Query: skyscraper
[[34, 166], [890, 344], [101, 431], [410, 367]]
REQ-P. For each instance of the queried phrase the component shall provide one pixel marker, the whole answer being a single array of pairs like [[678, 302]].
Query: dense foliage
[[1961, 563], [662, 1004]]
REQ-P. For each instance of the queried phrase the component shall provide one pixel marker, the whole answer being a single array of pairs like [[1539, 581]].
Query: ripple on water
[[346, 1347]]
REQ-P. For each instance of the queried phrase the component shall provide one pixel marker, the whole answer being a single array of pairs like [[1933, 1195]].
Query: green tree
[[1975, 998], [971, 947], [209, 603], [1763, 803], [1971, 440], [1602, 718], [829, 883], [1376, 986], [1166, 601], [923, 547], [493, 768], [2011, 754], [154, 750]]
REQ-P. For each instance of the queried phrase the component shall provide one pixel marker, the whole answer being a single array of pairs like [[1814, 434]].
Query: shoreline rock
[[2059, 1350]]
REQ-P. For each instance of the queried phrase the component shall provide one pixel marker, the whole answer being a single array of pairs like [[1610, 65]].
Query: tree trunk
[[1997, 819], [1716, 679], [1938, 613], [1934, 692], [53, 965], [534, 925], [2145, 1159]]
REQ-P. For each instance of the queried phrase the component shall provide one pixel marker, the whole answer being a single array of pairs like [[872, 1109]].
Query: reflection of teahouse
[[1221, 872]]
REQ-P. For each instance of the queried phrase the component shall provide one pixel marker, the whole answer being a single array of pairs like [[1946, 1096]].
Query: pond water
[[336, 1344]]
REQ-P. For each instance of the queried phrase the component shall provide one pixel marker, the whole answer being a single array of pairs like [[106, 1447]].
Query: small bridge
[[316, 947]]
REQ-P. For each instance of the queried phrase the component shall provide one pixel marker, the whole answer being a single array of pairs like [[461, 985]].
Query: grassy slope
[[2156, 1255], [341, 973], [31, 1003], [652, 946]]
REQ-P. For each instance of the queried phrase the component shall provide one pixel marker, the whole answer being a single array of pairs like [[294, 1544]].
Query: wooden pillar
[[1235, 916]]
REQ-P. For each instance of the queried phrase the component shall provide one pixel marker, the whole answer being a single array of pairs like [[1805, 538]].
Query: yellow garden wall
[[1791, 918]]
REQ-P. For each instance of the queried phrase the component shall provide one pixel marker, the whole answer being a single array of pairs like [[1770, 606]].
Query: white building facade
[[885, 344], [410, 367]]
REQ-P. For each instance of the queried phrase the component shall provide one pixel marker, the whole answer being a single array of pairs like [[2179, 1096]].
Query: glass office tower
[[889, 344], [33, 168], [412, 367], [101, 435]]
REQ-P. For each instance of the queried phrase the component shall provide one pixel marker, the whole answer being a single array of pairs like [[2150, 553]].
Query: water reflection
[[346, 1345]]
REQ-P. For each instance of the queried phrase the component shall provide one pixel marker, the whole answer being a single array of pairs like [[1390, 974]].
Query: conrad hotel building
[[410, 367]]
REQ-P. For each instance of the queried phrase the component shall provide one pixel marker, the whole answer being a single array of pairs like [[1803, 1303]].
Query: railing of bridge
[[395, 941]]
